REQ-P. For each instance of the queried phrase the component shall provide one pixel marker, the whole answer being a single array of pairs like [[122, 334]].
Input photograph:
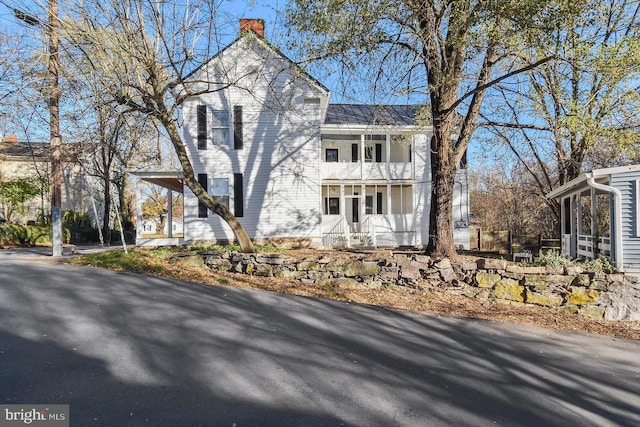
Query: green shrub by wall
[[28, 235]]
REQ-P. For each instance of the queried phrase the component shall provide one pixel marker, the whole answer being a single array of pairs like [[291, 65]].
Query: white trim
[[637, 207], [582, 179], [619, 261]]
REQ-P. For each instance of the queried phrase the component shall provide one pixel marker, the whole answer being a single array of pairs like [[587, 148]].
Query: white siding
[[281, 147], [422, 188]]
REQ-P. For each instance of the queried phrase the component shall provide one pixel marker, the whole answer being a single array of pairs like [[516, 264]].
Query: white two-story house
[[291, 166]]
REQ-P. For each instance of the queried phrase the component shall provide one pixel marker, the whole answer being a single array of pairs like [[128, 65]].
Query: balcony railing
[[366, 171]]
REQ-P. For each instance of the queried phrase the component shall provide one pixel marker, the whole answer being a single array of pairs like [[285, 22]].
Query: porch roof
[[171, 179], [580, 182]]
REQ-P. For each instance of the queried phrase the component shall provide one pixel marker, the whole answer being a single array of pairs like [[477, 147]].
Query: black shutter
[[378, 203], [237, 127], [203, 212], [238, 195], [202, 127], [378, 153], [354, 152]]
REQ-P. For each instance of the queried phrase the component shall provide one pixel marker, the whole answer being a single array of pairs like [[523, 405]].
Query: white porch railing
[[585, 247], [364, 233], [604, 246], [338, 235]]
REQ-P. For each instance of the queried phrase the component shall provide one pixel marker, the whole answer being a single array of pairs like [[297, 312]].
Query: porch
[[359, 215], [171, 182], [598, 212]]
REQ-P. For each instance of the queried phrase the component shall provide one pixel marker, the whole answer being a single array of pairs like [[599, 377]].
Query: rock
[[480, 293], [592, 311], [582, 296], [469, 266], [188, 259], [508, 289], [570, 308], [346, 283], [361, 268], [271, 259], [219, 264], [263, 270], [534, 270], [573, 271], [308, 265], [418, 264], [448, 275], [443, 264], [336, 265], [492, 264], [401, 259], [487, 280], [422, 258], [410, 273], [544, 299], [540, 281], [287, 274], [389, 273], [248, 268]]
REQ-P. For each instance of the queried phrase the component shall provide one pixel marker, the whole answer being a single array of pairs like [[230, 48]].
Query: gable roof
[[265, 42], [580, 181], [364, 114]]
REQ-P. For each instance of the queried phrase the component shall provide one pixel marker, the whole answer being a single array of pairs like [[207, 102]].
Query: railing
[[364, 232], [604, 246], [585, 246], [338, 235], [366, 170]]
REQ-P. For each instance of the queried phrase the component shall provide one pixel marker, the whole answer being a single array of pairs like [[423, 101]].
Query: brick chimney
[[257, 25], [10, 138]]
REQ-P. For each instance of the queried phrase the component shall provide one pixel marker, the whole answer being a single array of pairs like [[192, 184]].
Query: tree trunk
[[106, 231], [246, 245], [443, 174]]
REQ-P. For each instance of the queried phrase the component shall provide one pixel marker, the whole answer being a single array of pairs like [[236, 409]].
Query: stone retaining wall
[[598, 295]]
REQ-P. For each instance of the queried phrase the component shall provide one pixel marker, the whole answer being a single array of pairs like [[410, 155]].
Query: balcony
[[366, 171]]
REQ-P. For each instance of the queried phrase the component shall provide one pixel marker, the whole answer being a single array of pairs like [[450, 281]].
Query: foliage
[[555, 259], [28, 235], [15, 193], [80, 227], [579, 111]]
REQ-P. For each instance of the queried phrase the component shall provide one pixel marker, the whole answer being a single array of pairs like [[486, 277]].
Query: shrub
[[28, 235]]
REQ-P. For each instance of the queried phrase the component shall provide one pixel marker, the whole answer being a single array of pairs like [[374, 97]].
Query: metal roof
[[369, 115], [38, 150]]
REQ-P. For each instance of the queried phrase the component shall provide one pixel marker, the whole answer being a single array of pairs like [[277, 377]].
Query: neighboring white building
[[292, 166]]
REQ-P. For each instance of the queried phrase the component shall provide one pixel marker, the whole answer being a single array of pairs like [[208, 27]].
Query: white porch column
[[574, 228], [579, 215], [363, 203], [139, 228], [361, 156], [388, 154], [170, 213], [594, 231], [389, 201]]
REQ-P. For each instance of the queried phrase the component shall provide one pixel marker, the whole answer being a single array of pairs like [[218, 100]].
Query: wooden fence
[[505, 242]]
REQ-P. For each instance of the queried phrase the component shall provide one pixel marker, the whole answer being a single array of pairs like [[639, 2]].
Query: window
[[332, 206], [220, 191], [368, 205], [202, 127], [219, 127], [331, 155], [354, 152], [237, 127], [202, 209], [369, 152], [238, 195], [378, 203]]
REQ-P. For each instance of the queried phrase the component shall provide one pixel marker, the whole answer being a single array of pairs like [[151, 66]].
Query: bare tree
[[582, 108], [447, 53], [140, 53]]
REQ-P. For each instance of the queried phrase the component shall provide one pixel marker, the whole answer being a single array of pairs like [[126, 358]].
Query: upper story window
[[219, 127], [331, 155]]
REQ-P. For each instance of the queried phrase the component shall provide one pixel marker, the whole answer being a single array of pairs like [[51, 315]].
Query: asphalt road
[[129, 350]]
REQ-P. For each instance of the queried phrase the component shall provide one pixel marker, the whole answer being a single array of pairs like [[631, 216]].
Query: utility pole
[[54, 130], [55, 141]]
